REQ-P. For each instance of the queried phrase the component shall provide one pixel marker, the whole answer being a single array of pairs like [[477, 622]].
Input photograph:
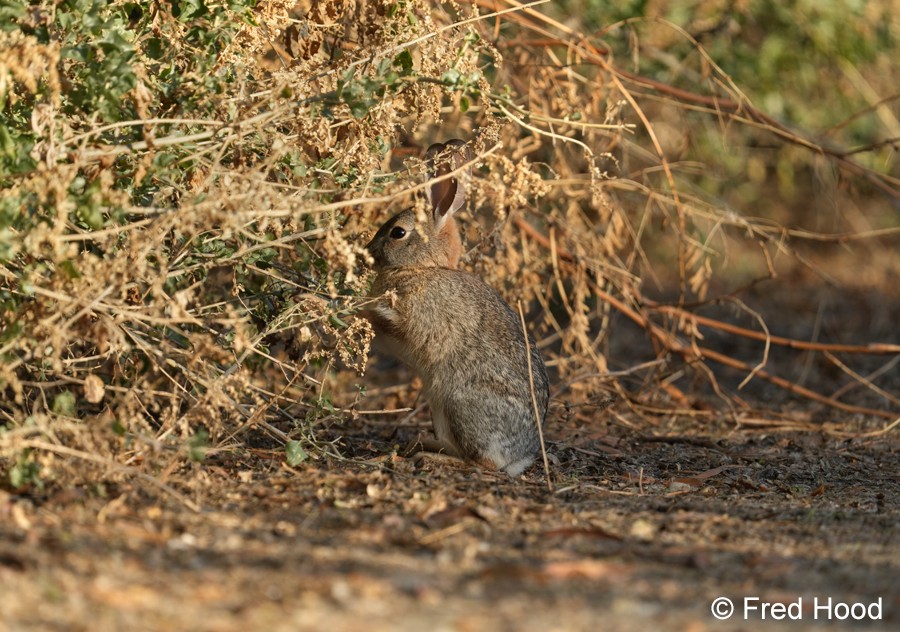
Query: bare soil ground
[[639, 533]]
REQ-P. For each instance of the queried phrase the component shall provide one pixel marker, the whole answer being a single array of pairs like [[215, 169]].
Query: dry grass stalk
[[537, 414]]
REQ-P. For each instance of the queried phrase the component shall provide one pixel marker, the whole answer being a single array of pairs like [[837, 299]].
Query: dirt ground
[[644, 529]]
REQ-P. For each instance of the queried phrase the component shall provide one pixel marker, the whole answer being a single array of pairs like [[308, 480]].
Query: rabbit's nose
[[373, 251]]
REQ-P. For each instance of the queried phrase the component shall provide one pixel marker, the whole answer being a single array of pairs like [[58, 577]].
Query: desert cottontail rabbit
[[456, 332]]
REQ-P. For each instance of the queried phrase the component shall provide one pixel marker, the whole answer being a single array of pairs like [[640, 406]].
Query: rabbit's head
[[402, 241]]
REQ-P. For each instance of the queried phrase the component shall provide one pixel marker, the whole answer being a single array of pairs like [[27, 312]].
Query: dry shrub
[[183, 253]]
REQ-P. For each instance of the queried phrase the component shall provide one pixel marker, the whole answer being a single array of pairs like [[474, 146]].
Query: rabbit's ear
[[448, 195]]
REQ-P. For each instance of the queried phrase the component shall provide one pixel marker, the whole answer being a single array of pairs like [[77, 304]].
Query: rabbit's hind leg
[[421, 445], [443, 432], [442, 444], [429, 449]]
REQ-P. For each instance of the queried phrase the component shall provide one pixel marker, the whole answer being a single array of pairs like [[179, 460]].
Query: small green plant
[[198, 445], [25, 471], [294, 454]]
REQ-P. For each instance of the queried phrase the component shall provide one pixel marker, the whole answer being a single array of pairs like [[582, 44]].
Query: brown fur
[[458, 335]]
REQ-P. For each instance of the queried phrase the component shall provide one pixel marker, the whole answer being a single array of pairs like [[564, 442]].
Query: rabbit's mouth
[[375, 252]]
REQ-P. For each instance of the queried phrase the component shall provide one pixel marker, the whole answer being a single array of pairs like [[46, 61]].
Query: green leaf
[[8, 249], [153, 48], [69, 268], [7, 145], [91, 215], [263, 255], [198, 445], [451, 77], [26, 471], [404, 61], [10, 12], [191, 9], [64, 404], [294, 453], [8, 333], [359, 109]]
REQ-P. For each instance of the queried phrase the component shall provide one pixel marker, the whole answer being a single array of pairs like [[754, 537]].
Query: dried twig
[[537, 413], [875, 348]]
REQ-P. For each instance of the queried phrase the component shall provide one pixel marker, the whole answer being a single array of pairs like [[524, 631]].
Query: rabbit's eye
[[398, 233]]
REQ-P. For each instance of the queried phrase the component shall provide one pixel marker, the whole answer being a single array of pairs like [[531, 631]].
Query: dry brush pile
[[188, 186]]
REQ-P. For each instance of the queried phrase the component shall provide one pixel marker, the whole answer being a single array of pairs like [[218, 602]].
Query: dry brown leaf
[[94, 389]]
